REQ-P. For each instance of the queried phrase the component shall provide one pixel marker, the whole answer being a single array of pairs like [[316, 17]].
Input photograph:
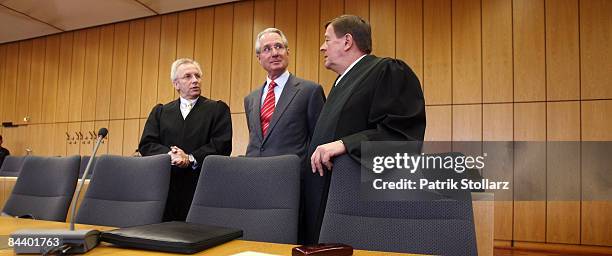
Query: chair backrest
[[84, 161], [44, 188], [12, 166], [126, 191], [259, 195], [428, 227]]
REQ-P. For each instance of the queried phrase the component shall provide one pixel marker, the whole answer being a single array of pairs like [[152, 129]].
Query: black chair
[[442, 227], [258, 195], [44, 188], [12, 166], [126, 191]]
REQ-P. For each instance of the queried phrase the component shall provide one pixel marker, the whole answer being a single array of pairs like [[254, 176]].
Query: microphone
[[64, 241], [75, 198]]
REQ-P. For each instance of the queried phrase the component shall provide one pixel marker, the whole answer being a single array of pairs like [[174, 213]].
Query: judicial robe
[[379, 99], [207, 130]]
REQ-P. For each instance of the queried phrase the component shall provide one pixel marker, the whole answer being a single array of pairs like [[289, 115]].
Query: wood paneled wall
[[523, 70]]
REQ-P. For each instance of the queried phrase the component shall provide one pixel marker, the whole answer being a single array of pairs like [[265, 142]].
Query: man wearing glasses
[[282, 112], [188, 129]]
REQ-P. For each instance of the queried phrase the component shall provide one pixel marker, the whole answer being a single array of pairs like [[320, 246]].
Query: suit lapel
[[289, 92], [256, 113]]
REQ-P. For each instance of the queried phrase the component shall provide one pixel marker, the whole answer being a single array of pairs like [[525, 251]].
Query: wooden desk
[[9, 225]]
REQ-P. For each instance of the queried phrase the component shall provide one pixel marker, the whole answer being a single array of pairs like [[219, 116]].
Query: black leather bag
[[176, 237]]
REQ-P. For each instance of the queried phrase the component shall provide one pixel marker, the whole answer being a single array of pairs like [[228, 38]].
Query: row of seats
[[12, 165], [258, 195]]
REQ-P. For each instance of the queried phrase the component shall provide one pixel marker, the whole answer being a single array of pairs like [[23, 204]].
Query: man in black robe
[[373, 99], [188, 129]]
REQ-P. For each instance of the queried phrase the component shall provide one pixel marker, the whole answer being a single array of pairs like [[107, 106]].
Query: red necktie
[[267, 109]]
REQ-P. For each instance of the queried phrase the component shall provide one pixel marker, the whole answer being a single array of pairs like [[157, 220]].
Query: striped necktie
[[267, 109]]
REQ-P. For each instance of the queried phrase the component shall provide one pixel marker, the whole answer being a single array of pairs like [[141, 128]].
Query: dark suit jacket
[[379, 99], [207, 130], [292, 123]]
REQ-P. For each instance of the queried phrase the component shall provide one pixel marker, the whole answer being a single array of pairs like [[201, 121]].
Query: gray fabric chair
[[259, 195], [430, 227], [12, 166], [126, 191], [84, 161], [44, 188]]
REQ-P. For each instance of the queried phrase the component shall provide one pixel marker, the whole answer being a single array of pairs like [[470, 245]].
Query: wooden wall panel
[[596, 120], [437, 51], [382, 20], [23, 80], [131, 136], [497, 125], [497, 122], [77, 74], [439, 123], [105, 71], [562, 50], [242, 42], [467, 122], [262, 19], [563, 172], [595, 51], [10, 83], [62, 106], [150, 61], [119, 71], [134, 69], [115, 139], [185, 39], [3, 61], [530, 173], [37, 79], [49, 96], [466, 52], [203, 46], [167, 55], [90, 78], [287, 22], [358, 7], [497, 66], [529, 52], [329, 10], [307, 45], [60, 140], [73, 147], [240, 134], [409, 34], [221, 62]]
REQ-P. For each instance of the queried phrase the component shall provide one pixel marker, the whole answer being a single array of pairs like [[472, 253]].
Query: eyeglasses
[[188, 77], [278, 47]]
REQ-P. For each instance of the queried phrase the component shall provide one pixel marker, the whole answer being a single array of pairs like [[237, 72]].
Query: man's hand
[[324, 153], [178, 157]]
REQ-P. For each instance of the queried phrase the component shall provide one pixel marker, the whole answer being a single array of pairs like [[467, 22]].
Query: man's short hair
[[357, 27], [177, 63], [266, 31]]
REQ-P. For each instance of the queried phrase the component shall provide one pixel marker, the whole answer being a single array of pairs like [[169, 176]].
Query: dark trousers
[[183, 183], [313, 197]]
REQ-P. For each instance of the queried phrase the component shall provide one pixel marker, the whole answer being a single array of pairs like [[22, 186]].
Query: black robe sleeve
[[220, 135], [150, 143], [397, 112]]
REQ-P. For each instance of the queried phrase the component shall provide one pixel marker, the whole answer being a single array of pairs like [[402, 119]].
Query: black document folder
[[177, 237]]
